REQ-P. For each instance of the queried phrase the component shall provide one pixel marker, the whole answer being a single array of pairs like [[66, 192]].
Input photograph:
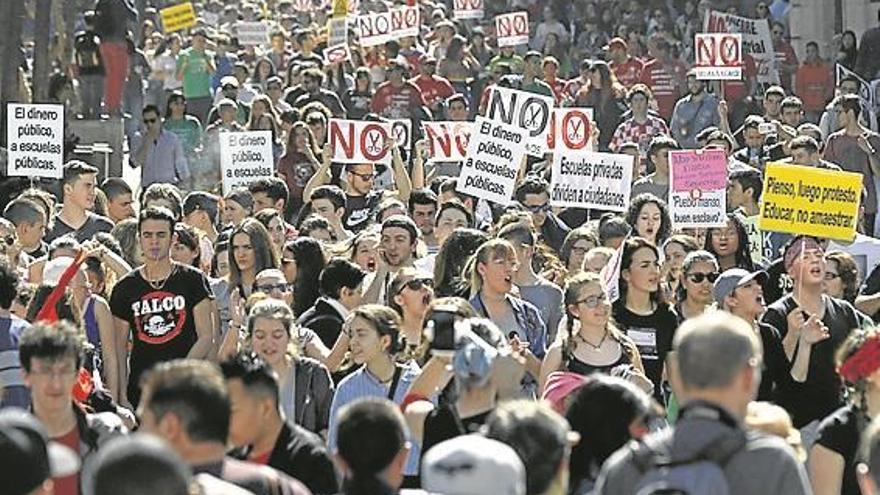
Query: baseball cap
[[733, 278], [615, 43], [226, 102], [473, 465], [54, 268], [27, 456], [228, 81]]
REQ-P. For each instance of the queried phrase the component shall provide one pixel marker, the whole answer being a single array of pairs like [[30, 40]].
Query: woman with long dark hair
[[641, 310], [649, 218], [251, 252], [187, 128], [730, 245], [297, 165], [304, 260], [458, 66], [607, 98], [451, 259], [263, 70], [357, 99], [848, 50]]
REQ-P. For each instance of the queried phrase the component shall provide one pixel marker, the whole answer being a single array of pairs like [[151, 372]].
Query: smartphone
[[440, 330]]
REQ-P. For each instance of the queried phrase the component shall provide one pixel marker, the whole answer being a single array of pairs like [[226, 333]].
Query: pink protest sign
[[698, 170]]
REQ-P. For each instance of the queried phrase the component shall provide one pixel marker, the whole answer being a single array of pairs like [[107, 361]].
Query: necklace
[[159, 284], [595, 347]]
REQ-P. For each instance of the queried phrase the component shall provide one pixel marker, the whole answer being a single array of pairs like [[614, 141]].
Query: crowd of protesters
[[369, 330]]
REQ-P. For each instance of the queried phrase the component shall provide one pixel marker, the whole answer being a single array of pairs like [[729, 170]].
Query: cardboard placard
[[35, 140], [356, 141], [756, 41], [245, 157], [583, 179], [401, 130], [374, 29], [512, 29], [811, 201], [529, 111], [572, 128], [447, 141], [178, 17], [494, 155], [698, 188], [867, 95], [468, 9], [252, 33], [718, 56]]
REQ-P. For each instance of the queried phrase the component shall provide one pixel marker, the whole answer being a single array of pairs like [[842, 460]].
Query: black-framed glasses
[[268, 288], [699, 277], [367, 177], [416, 284], [593, 301], [538, 208]]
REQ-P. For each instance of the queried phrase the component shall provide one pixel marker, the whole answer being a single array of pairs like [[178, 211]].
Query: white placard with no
[[35, 140], [447, 141], [529, 111], [718, 56], [357, 141], [584, 179], [494, 156], [245, 157], [571, 129], [252, 33], [512, 29], [468, 9]]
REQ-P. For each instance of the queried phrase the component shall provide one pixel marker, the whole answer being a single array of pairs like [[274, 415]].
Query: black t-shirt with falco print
[[161, 321]]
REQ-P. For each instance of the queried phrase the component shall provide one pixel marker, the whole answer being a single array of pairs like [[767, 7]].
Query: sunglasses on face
[[268, 288], [593, 301], [698, 277], [416, 284], [366, 177], [538, 208]]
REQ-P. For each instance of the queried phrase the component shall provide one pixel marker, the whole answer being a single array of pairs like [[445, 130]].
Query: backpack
[[88, 55], [701, 474]]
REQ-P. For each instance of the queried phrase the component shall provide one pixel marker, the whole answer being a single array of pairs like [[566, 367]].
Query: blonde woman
[[591, 343]]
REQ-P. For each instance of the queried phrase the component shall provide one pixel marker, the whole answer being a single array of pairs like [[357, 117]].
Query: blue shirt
[[165, 162], [362, 384]]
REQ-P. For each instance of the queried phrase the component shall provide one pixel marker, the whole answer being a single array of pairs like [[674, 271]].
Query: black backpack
[[87, 51]]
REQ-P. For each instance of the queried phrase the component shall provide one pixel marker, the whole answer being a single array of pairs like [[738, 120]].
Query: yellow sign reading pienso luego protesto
[[810, 201], [177, 17]]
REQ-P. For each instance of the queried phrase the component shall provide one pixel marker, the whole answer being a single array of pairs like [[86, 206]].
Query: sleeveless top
[[93, 335], [575, 365]]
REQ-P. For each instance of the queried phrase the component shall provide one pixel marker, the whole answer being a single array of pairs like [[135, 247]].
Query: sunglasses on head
[[416, 284], [698, 277], [268, 288]]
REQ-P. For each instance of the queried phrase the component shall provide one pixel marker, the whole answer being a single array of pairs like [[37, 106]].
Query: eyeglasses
[[593, 301], [150, 121], [831, 275], [367, 177], [64, 372], [416, 284], [268, 288], [698, 277], [538, 208]]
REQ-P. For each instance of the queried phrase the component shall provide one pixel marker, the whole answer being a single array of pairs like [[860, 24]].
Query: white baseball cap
[[473, 465]]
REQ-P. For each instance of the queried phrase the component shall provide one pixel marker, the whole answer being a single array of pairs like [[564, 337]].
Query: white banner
[[494, 156], [756, 41], [252, 33], [401, 130], [245, 157], [357, 141], [572, 128], [447, 141], [512, 29], [35, 140], [382, 27], [526, 110], [718, 56], [585, 179]]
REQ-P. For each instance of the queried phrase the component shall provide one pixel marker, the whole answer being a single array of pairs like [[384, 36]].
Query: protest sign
[[698, 188], [468, 9], [337, 31], [756, 41], [493, 159], [404, 22], [866, 92], [447, 141], [572, 128], [35, 137], [756, 239], [356, 141], [610, 273], [245, 157], [401, 130], [340, 8], [177, 17], [374, 29], [526, 110], [512, 29], [583, 179], [718, 56], [210, 18], [336, 54], [303, 5], [811, 201], [252, 33]]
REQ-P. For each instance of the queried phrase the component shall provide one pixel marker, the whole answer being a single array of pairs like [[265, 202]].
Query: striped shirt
[[15, 393], [362, 384]]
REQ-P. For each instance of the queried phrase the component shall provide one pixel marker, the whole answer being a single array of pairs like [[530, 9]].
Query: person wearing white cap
[[740, 293], [473, 465]]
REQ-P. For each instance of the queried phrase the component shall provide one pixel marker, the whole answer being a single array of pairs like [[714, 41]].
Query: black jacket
[[324, 320], [313, 393], [302, 455]]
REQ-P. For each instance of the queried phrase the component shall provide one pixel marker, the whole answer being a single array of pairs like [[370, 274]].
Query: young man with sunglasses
[[740, 293], [534, 195], [159, 153]]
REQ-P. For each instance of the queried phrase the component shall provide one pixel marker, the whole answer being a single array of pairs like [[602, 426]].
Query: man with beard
[[739, 292], [164, 305], [813, 326], [693, 113], [313, 80], [397, 249]]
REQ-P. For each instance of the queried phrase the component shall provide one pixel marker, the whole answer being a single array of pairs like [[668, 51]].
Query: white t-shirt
[[865, 250]]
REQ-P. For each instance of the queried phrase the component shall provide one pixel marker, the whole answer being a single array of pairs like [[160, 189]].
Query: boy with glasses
[[534, 195]]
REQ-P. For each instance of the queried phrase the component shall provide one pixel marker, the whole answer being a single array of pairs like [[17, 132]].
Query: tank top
[[575, 365]]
